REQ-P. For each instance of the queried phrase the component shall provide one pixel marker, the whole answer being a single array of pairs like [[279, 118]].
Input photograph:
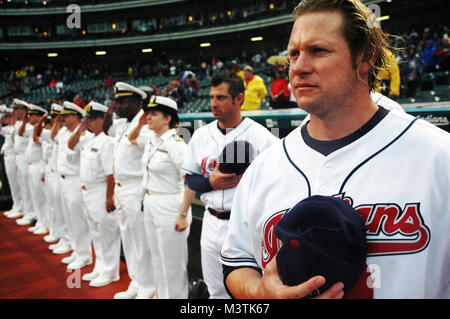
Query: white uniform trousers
[[212, 237], [54, 206], [13, 181], [168, 247], [50, 204], [37, 190], [23, 174], [73, 208], [104, 231], [128, 214]]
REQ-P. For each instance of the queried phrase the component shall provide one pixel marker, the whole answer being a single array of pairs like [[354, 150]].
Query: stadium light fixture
[[383, 18], [205, 45], [148, 50], [52, 55], [100, 52], [255, 39]]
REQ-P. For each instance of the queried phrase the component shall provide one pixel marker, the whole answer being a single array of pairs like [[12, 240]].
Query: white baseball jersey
[[397, 176], [207, 144]]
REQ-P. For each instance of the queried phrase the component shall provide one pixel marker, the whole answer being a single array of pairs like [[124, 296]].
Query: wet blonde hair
[[366, 41]]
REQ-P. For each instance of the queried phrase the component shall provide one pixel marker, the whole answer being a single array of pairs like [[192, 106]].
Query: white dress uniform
[[20, 146], [164, 184], [128, 195], [11, 171], [53, 180], [33, 155], [72, 202], [204, 150], [47, 151], [396, 175], [96, 162]]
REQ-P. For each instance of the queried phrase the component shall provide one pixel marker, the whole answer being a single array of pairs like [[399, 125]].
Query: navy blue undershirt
[[328, 147]]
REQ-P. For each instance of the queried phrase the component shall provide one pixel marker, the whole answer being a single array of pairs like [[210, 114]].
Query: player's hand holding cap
[[236, 157], [324, 236]]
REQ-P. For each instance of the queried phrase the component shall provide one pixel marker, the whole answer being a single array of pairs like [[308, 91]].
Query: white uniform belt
[[94, 185], [150, 192], [128, 181], [63, 176]]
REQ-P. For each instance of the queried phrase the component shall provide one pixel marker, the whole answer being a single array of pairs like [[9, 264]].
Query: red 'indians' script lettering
[[270, 244], [390, 230], [207, 165], [391, 220]]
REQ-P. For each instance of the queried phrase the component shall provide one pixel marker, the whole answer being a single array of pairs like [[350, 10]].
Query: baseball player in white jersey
[[201, 167], [97, 184], [10, 161], [392, 168], [129, 193]]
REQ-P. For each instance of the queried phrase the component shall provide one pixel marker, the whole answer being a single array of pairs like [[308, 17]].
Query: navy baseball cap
[[236, 157], [325, 236]]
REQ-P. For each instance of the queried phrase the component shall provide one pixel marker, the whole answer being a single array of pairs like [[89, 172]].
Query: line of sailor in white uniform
[[89, 189]]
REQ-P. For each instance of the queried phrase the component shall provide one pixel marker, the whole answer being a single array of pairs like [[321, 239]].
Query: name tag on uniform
[[162, 150], [94, 149]]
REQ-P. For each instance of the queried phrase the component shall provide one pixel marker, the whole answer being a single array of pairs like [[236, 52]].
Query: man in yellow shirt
[[389, 77], [255, 90]]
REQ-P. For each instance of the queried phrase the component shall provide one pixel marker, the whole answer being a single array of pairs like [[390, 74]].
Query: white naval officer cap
[[122, 89], [162, 103], [19, 104], [36, 110], [55, 109], [71, 108], [95, 108]]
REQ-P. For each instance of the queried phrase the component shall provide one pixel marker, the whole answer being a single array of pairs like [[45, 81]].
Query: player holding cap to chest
[[392, 168], [201, 165]]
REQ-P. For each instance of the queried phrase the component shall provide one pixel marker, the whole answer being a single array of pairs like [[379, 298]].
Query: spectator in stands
[[412, 71], [109, 82], [79, 101], [388, 80], [279, 91], [155, 88], [428, 57], [443, 56], [255, 90]]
